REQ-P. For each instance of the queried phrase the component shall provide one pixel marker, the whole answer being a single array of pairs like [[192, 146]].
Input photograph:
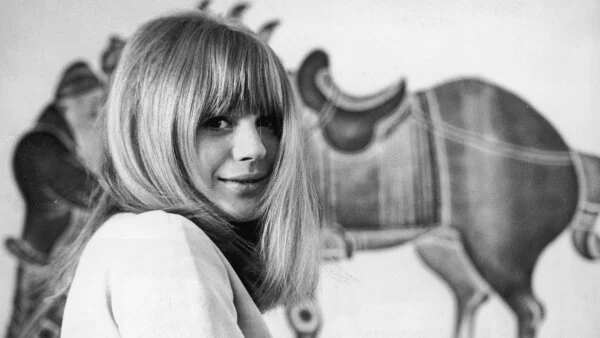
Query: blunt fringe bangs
[[248, 78]]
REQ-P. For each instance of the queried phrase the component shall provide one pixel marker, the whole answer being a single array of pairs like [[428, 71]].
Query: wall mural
[[53, 164], [467, 171]]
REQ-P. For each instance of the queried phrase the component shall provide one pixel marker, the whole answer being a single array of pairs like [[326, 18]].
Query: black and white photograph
[[300, 169]]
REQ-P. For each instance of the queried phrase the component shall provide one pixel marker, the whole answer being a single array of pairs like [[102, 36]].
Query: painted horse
[[471, 172]]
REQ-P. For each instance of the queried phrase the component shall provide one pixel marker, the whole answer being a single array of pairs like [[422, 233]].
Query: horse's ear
[[203, 5], [237, 11], [266, 30]]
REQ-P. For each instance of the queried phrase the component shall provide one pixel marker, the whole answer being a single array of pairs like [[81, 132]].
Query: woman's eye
[[266, 122], [218, 122]]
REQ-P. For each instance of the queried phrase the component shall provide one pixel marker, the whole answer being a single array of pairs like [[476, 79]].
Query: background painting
[[548, 52]]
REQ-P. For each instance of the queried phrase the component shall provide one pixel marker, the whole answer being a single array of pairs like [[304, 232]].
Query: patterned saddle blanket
[[390, 184]]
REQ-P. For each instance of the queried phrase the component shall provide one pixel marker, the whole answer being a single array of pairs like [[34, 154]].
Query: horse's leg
[[508, 268], [529, 311], [443, 252], [511, 278]]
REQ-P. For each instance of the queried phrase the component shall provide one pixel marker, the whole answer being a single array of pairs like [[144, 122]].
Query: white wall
[[547, 51]]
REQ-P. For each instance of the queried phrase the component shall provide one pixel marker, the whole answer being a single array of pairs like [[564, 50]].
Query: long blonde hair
[[175, 72]]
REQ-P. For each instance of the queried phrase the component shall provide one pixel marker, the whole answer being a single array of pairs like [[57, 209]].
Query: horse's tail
[[585, 239]]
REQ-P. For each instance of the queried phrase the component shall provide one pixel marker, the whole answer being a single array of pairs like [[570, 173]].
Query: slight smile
[[245, 183]]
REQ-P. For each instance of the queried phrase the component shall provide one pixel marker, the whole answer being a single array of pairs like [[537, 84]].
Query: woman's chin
[[240, 213]]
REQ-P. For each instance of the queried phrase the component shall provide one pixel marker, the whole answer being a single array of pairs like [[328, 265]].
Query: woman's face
[[237, 155]]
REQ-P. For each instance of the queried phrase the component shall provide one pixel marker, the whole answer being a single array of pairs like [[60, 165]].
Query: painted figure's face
[[82, 110], [236, 157]]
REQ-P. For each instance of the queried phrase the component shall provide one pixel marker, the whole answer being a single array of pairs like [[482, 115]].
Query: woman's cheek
[[271, 144]]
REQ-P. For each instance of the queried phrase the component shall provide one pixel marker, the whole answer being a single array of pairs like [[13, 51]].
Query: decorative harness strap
[[488, 145], [24, 252]]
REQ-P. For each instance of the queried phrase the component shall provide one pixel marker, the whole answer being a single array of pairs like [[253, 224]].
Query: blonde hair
[[175, 72]]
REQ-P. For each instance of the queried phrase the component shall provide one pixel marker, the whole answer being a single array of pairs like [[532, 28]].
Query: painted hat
[[76, 79]]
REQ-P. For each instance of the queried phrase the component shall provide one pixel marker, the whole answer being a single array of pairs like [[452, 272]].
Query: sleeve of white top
[[169, 282]]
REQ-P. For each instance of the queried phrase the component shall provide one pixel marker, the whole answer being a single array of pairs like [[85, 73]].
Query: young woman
[[207, 216]]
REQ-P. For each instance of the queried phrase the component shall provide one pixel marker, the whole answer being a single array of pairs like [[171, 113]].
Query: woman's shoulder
[[157, 269], [130, 237], [148, 226]]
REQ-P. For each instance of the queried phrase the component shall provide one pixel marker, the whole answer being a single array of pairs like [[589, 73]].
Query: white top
[[157, 275]]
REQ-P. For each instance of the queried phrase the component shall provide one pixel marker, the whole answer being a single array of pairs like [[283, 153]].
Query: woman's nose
[[247, 144]]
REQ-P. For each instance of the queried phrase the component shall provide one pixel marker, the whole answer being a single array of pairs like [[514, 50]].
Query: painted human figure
[[51, 166]]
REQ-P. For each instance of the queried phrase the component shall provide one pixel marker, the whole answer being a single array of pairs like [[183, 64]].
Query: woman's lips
[[247, 183], [245, 177]]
